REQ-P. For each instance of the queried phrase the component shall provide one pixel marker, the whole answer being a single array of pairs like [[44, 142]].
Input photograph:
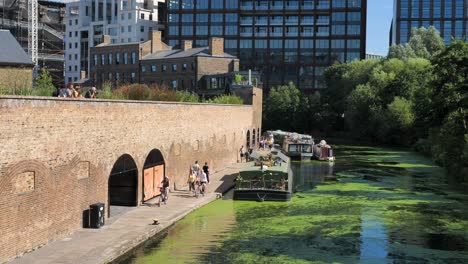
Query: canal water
[[372, 205]]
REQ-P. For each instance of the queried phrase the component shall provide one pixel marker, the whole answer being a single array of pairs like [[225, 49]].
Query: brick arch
[[123, 182], [40, 170], [153, 171], [31, 214]]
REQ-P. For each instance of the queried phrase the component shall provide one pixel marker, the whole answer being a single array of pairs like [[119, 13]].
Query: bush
[[225, 99], [44, 86], [106, 92]]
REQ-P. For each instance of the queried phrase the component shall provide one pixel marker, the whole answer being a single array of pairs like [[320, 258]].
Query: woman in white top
[[202, 179]]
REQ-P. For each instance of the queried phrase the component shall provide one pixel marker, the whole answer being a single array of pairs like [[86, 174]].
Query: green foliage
[[225, 99], [281, 107], [424, 43], [238, 79], [448, 107], [401, 115], [159, 93], [106, 92], [408, 99], [44, 86], [401, 51]]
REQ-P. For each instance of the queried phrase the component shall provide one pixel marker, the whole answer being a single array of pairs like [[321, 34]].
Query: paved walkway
[[129, 229]]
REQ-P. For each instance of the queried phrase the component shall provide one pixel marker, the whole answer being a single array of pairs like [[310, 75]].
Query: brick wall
[[57, 155]]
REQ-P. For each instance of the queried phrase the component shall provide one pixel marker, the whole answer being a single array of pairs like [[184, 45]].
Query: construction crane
[[32, 33]]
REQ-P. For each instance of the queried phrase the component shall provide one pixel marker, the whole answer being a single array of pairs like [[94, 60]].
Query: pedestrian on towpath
[[191, 180], [242, 153], [206, 170], [196, 167]]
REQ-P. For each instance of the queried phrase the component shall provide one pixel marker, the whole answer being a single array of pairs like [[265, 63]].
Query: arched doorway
[[248, 139], [123, 182], [153, 173], [254, 139]]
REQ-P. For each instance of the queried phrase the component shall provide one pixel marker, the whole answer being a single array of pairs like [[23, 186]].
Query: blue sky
[[379, 18]]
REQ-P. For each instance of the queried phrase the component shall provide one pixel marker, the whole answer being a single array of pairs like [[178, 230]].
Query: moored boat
[[268, 178]]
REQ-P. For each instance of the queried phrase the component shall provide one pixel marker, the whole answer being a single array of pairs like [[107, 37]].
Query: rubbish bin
[[96, 215]]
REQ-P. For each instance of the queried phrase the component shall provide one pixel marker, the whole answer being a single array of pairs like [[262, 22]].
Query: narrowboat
[[267, 178], [299, 147]]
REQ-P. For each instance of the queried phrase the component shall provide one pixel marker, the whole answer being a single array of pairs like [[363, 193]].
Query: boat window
[[307, 148], [294, 148]]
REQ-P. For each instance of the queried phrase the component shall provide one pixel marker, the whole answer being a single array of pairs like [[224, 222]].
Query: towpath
[[130, 228]]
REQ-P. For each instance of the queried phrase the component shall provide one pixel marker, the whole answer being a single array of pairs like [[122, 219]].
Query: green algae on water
[[385, 206]]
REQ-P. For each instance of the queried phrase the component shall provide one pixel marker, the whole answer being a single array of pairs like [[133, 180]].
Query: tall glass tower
[[448, 16], [286, 40]]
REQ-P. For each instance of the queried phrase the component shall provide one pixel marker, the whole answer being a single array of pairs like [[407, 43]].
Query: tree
[[401, 51], [423, 43], [44, 85], [449, 114], [281, 107]]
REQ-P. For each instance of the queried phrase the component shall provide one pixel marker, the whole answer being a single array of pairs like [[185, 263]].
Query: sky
[[379, 19]]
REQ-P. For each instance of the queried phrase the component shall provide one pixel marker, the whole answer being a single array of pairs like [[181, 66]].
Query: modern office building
[[448, 16], [87, 21], [284, 40]]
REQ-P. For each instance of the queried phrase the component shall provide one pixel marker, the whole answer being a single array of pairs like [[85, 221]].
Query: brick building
[[154, 62]]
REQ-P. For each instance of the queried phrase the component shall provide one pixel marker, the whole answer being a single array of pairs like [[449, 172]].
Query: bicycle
[[197, 189], [163, 196]]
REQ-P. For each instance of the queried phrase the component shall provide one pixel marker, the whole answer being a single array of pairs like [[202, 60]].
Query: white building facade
[[87, 22]]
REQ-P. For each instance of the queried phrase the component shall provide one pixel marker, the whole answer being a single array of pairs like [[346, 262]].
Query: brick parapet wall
[[70, 146]]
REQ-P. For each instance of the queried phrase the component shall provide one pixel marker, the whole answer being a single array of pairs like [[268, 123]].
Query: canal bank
[[130, 228]]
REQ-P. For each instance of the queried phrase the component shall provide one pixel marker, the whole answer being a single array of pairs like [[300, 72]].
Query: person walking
[[242, 152], [202, 179], [206, 170], [196, 167], [191, 180]]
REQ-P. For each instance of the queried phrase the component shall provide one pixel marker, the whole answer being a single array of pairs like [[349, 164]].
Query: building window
[[174, 67], [164, 68], [129, 28], [133, 76], [69, 68], [117, 58], [95, 59], [76, 68], [174, 84], [142, 28], [142, 16], [153, 68], [103, 59], [110, 58], [133, 57], [184, 67], [193, 66], [143, 68], [129, 15], [125, 58]]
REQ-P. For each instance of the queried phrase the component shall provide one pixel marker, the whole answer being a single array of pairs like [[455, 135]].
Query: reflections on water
[[371, 206]]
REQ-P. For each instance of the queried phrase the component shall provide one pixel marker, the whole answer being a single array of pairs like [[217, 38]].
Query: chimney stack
[[106, 40], [186, 44], [217, 46], [156, 41]]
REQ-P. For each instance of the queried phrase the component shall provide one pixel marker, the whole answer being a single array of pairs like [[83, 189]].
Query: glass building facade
[[284, 40], [448, 16]]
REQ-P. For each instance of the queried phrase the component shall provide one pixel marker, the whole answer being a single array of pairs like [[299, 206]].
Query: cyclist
[[165, 188], [203, 180]]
